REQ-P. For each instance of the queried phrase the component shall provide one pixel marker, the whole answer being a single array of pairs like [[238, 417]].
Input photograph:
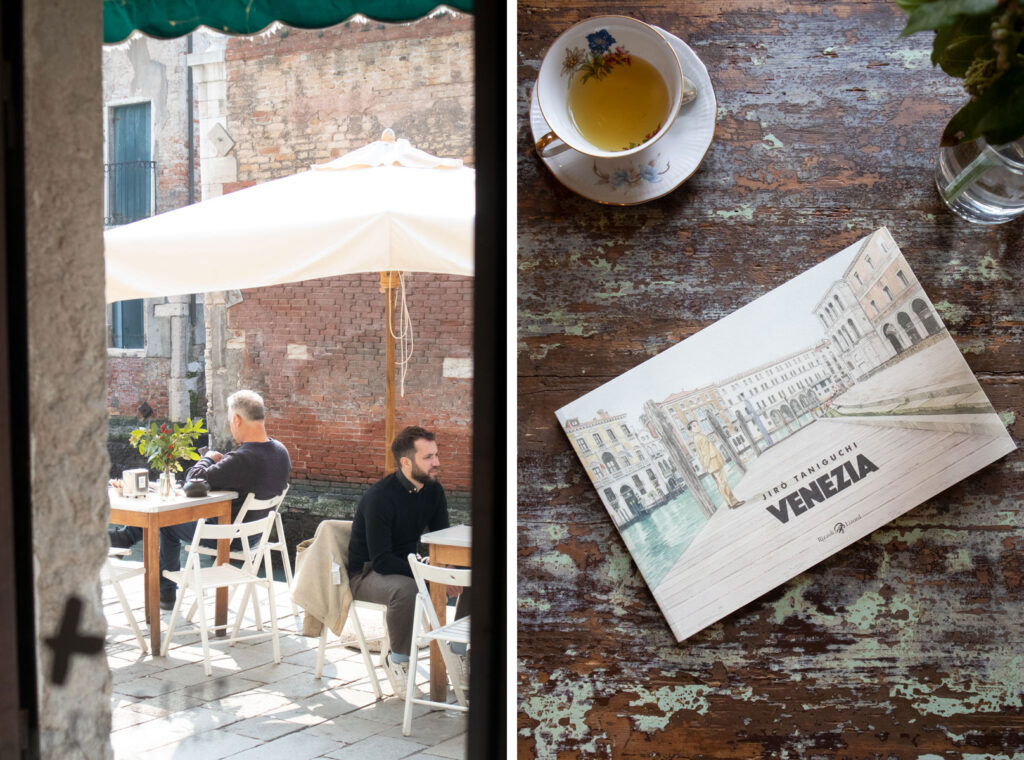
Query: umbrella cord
[[403, 336]]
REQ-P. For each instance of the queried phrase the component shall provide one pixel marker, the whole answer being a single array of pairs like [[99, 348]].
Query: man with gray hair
[[259, 465]]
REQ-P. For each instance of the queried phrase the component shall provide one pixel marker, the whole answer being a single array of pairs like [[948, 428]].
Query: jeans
[[398, 592]]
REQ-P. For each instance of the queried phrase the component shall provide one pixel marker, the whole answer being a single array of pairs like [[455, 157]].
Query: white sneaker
[[398, 675]]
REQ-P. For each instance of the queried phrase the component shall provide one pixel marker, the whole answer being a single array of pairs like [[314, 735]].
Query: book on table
[[759, 446]]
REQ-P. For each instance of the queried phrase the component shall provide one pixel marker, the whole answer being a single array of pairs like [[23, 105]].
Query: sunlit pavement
[[251, 708]]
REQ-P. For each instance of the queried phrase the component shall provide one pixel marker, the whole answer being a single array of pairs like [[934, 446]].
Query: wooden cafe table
[[906, 643], [449, 546], [150, 514]]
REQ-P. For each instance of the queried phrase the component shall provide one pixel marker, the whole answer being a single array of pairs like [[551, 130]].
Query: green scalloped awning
[[166, 19]]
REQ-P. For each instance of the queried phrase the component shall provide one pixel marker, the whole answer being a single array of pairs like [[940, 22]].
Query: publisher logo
[[838, 529]]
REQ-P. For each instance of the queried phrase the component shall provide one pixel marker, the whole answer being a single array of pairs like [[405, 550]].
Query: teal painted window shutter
[[129, 193]]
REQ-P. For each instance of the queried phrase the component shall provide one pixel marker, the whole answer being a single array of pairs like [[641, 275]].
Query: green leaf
[[997, 114], [194, 456], [938, 13], [909, 5], [956, 46]]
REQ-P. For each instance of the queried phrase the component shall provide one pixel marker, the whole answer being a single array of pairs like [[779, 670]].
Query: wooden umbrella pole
[[388, 282]]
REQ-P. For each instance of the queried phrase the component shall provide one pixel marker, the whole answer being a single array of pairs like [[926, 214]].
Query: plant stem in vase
[[982, 183]]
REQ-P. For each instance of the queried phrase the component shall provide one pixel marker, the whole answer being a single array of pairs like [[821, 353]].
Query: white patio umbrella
[[386, 207]]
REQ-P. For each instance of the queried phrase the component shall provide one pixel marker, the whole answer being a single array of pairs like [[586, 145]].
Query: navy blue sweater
[[260, 468], [389, 521]]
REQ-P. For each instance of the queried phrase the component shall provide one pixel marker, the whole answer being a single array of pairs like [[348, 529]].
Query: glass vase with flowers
[[980, 167], [164, 446]]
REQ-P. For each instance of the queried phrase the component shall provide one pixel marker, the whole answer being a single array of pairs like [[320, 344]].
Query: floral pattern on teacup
[[598, 60], [632, 175]]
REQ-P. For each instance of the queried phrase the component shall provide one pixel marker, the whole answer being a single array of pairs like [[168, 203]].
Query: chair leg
[[128, 612], [320, 652], [367, 661], [279, 529], [273, 617], [174, 619], [246, 595], [203, 632], [410, 685]]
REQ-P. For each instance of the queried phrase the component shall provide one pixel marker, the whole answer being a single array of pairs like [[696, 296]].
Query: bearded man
[[390, 518]]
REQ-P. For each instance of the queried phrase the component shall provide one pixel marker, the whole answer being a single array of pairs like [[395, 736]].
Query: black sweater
[[389, 521], [262, 468]]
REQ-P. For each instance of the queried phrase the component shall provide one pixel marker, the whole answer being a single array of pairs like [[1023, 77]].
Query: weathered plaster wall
[[142, 70], [66, 354], [156, 71], [299, 97]]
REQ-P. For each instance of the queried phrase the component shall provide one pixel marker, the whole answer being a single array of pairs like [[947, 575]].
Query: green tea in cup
[[620, 106]]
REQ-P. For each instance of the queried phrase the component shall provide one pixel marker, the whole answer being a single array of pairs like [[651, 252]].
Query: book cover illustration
[[791, 428]]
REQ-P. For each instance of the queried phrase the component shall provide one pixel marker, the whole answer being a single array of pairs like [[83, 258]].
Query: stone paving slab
[[166, 707], [378, 748]]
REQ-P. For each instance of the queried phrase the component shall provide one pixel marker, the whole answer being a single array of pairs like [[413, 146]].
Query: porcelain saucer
[[654, 171]]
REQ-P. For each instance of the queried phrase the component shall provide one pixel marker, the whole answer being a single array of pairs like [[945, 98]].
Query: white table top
[[457, 535], [153, 503]]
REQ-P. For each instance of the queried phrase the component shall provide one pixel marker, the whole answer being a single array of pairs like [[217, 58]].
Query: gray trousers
[[398, 592]]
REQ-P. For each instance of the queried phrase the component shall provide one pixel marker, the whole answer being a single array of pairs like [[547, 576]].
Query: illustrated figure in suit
[[713, 462]]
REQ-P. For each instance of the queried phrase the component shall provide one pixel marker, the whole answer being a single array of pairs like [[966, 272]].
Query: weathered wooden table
[[909, 643], [151, 513]]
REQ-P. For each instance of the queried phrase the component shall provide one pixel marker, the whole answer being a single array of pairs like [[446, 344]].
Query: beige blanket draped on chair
[[323, 600]]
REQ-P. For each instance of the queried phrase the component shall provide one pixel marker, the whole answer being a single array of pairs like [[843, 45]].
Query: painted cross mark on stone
[[69, 641]]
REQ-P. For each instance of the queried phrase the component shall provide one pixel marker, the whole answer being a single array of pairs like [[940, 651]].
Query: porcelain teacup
[[594, 53]]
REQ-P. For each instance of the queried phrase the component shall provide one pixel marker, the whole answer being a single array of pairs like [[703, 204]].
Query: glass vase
[[982, 183], [166, 485]]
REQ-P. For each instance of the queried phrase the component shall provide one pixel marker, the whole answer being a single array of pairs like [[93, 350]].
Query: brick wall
[[131, 379], [328, 408], [301, 97]]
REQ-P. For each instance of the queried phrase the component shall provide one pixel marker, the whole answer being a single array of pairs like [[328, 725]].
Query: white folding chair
[[277, 541], [114, 571], [197, 579], [385, 644], [427, 628]]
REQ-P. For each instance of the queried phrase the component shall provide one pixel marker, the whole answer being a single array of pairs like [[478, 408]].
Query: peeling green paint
[[961, 560], [1008, 418], [865, 611], [773, 141], [952, 314], [541, 351], [744, 212], [619, 566], [973, 697], [558, 563], [989, 270], [624, 289], [972, 346], [557, 532], [533, 604], [561, 717], [669, 700]]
